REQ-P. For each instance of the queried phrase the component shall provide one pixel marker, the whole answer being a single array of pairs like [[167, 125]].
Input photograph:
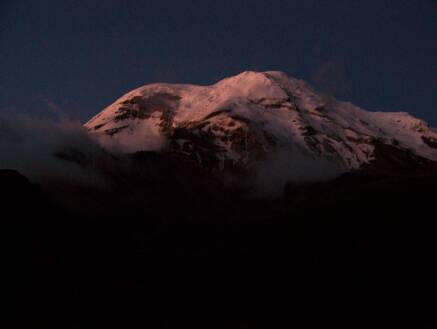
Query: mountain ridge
[[243, 119]]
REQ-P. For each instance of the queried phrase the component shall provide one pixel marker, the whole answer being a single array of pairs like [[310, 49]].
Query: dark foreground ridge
[[167, 246]]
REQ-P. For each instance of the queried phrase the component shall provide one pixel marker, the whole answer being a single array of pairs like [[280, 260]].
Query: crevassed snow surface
[[286, 108]]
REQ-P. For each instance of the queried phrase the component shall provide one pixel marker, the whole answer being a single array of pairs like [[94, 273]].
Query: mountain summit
[[245, 118]]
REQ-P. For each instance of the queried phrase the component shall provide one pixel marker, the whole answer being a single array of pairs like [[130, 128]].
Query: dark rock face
[[393, 159], [142, 108], [431, 142], [114, 131], [206, 142]]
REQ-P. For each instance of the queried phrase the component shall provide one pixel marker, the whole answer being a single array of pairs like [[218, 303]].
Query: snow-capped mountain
[[244, 118]]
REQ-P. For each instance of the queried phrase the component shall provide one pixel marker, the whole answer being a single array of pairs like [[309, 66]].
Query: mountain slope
[[245, 118]]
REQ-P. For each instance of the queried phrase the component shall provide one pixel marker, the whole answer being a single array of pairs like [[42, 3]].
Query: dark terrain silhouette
[[166, 245]]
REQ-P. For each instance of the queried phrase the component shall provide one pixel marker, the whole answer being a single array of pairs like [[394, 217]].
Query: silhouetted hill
[[165, 245]]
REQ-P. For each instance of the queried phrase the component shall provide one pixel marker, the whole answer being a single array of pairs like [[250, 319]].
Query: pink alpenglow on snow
[[249, 117]]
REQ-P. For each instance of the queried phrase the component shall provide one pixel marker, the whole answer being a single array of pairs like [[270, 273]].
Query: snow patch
[[273, 104]]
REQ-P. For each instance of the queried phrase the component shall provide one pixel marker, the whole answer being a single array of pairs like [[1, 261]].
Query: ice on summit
[[245, 117]]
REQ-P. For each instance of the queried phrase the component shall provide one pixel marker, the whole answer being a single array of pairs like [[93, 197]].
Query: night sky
[[80, 56]]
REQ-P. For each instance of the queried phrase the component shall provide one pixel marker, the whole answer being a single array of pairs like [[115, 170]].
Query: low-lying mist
[[29, 145], [290, 166], [59, 150]]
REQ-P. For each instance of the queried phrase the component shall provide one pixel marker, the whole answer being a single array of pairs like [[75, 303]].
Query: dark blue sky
[[82, 55]]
